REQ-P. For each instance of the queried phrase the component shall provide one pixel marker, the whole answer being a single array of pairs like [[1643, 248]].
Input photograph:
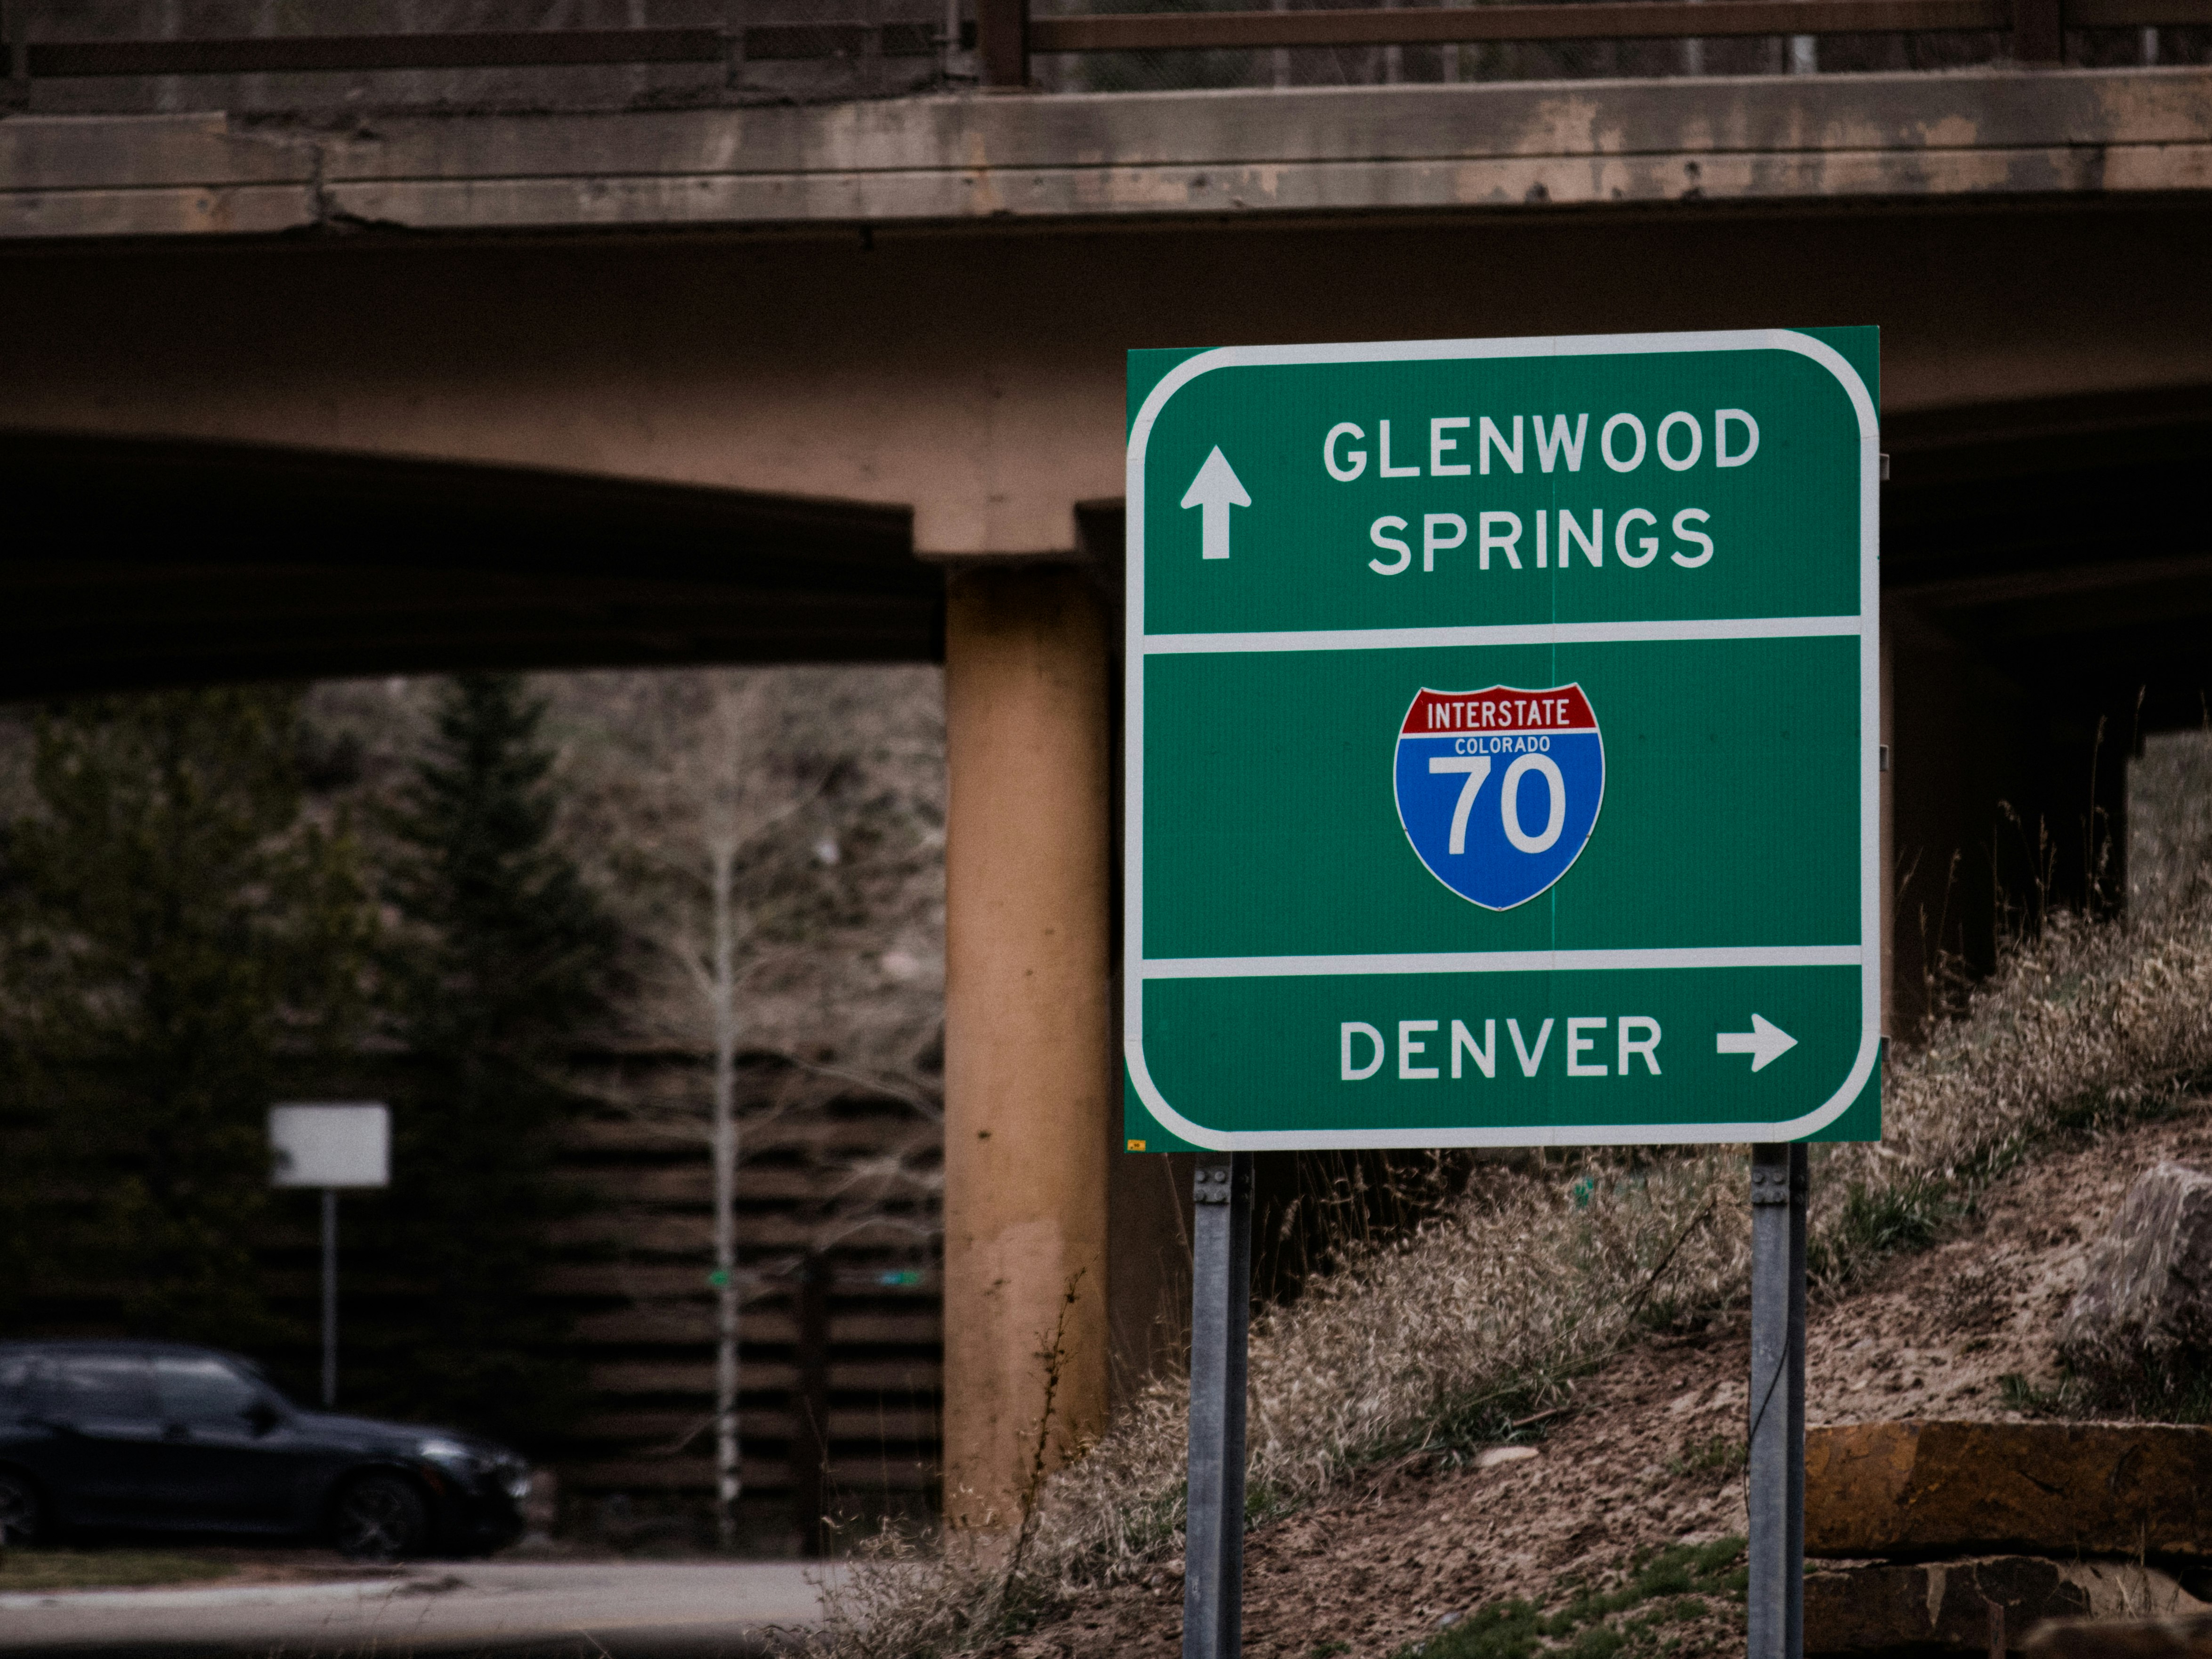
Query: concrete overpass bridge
[[331, 359]]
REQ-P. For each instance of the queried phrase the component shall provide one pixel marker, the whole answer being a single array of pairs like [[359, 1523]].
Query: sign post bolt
[[1220, 1312], [1777, 1590]]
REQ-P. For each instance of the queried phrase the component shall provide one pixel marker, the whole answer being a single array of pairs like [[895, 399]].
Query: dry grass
[[24, 1571], [1442, 1340], [2092, 1025], [1484, 1317]]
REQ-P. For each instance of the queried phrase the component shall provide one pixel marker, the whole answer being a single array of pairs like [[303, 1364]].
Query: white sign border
[[1139, 645]]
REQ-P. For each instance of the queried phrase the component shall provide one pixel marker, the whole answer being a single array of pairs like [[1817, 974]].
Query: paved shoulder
[[620, 1609]]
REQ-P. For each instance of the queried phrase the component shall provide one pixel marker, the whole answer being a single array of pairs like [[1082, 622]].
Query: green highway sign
[[1502, 762]]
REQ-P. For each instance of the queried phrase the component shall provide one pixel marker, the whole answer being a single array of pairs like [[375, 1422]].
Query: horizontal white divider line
[[1507, 962], [1581, 633]]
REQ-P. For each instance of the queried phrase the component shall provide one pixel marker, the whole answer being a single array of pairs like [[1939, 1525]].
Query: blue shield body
[[1499, 790]]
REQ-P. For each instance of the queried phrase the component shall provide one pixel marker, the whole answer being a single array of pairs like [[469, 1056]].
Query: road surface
[[622, 1609]]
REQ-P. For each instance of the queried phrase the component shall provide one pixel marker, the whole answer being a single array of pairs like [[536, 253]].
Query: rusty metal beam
[[2133, 14], [1005, 35], [1605, 20], [355, 54], [341, 53], [2039, 34], [15, 64], [1003, 29]]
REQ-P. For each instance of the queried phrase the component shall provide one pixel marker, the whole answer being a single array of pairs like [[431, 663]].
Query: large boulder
[[2147, 1296], [1885, 1606], [1922, 1489]]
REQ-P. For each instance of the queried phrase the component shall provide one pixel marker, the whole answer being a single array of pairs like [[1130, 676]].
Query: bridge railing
[[87, 55]]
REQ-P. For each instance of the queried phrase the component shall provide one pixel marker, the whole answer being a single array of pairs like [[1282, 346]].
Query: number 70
[[1477, 768]]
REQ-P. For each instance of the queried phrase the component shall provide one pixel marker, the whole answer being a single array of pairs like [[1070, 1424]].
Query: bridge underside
[[140, 562], [2047, 603]]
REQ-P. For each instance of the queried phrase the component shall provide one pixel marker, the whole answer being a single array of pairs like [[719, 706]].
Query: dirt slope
[[1649, 1457]]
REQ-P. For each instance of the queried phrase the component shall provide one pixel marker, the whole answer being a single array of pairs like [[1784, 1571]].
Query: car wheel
[[380, 1517], [22, 1513]]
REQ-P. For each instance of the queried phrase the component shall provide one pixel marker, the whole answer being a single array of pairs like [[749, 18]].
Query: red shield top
[[1500, 708]]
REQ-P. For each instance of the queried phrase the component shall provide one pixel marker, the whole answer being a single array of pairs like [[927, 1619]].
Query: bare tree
[[802, 969], [724, 785], [715, 795]]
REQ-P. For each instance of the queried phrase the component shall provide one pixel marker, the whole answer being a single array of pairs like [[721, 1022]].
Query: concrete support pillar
[[1027, 1030]]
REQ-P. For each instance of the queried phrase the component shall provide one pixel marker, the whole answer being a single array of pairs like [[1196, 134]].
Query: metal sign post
[[1220, 1309], [329, 1148], [330, 1298], [1502, 757], [1777, 1495]]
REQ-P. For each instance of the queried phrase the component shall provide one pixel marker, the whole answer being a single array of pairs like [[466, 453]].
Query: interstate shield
[[1499, 790]]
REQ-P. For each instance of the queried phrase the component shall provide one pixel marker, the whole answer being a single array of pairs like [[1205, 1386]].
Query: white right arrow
[[1214, 491], [1765, 1042]]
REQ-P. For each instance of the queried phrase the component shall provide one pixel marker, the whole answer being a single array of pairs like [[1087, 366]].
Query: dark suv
[[157, 1437]]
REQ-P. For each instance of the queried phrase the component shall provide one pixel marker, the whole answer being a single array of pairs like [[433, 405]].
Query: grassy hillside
[[1456, 1339]]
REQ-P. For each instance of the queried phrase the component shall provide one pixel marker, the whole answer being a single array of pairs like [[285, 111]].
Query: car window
[[194, 1389], [18, 1375], [87, 1385]]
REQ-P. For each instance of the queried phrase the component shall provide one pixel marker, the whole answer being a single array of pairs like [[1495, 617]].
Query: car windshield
[[269, 1391], [201, 1388]]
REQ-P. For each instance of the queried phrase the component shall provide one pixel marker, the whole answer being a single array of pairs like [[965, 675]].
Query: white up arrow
[[1214, 491], [1765, 1042]]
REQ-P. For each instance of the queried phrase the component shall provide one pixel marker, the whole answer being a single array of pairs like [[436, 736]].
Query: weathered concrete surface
[[1027, 1106], [2148, 1291], [977, 378], [1945, 1604], [1926, 1489], [1999, 133], [2186, 1638]]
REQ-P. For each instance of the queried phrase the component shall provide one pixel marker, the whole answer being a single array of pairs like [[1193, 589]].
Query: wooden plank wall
[[849, 1177], [829, 1169]]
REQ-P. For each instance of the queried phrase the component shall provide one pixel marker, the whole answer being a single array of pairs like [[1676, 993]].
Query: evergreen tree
[[176, 934], [502, 956]]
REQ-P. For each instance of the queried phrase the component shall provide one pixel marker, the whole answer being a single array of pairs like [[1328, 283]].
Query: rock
[[2122, 1638], [1490, 1456], [1886, 1606], [1922, 1489], [2148, 1289]]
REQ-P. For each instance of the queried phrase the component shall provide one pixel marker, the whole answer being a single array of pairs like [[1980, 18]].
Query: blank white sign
[[334, 1145]]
